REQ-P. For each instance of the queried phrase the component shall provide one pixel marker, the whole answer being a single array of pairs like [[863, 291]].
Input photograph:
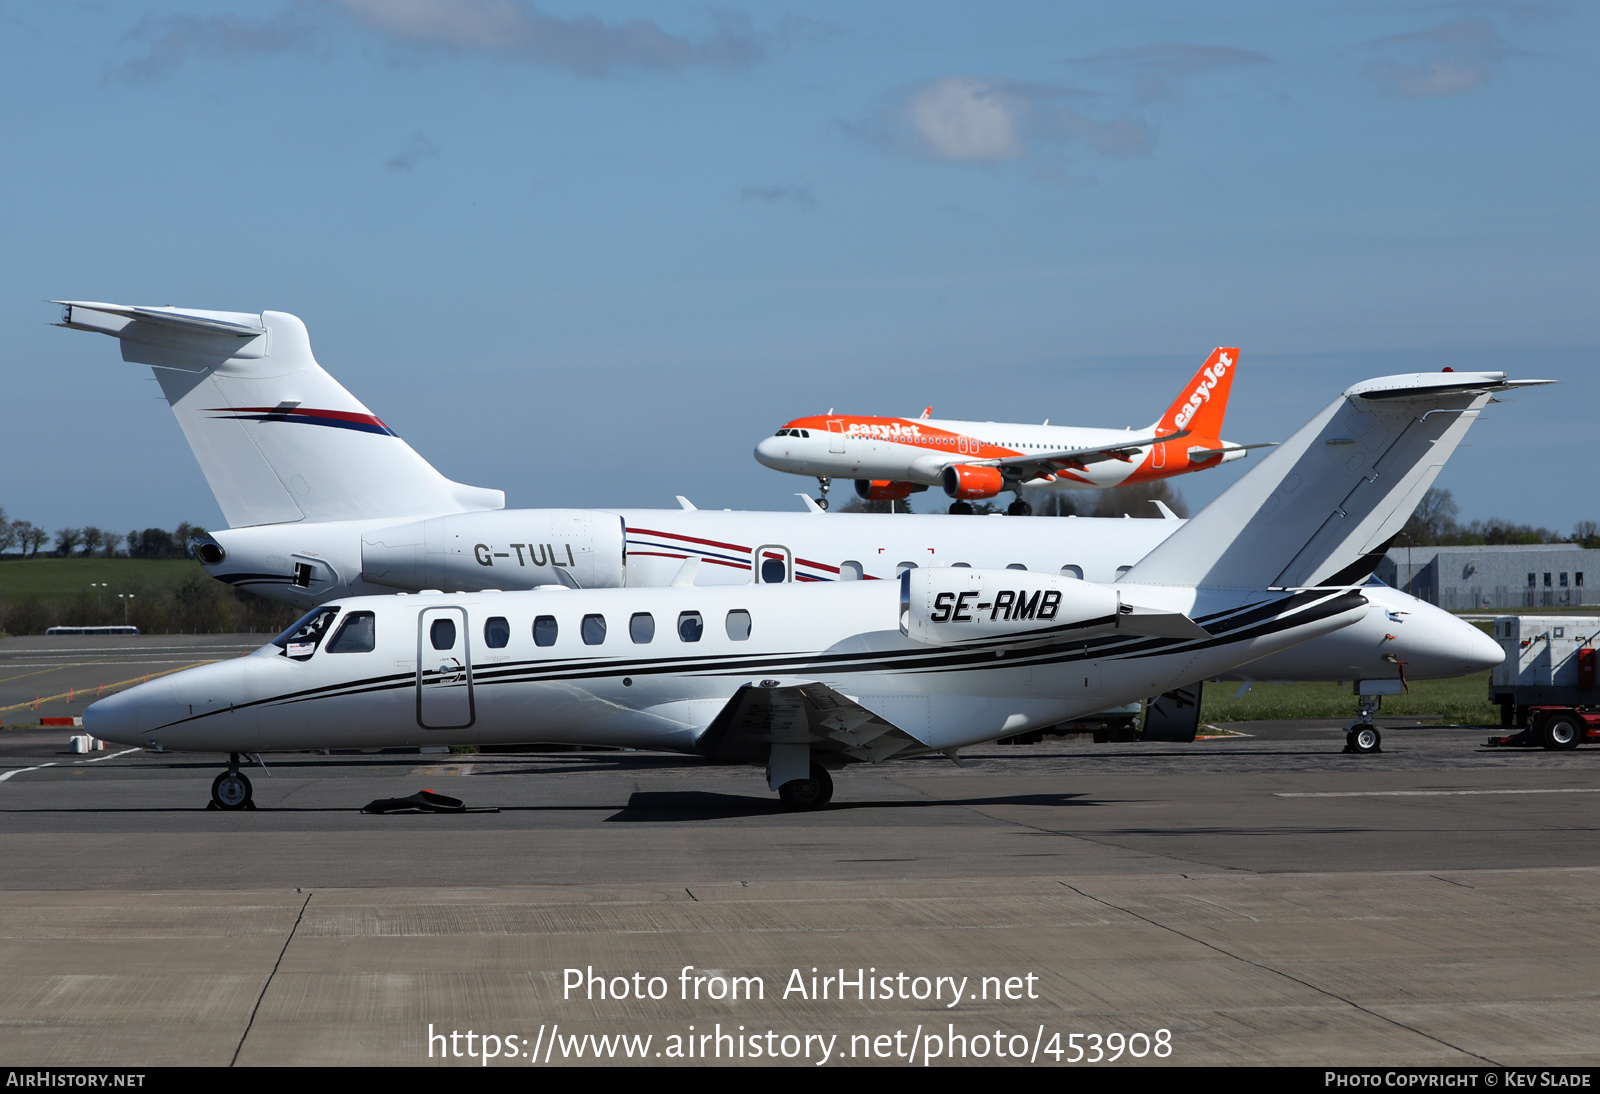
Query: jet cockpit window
[[803, 432], [357, 634], [443, 634], [642, 627], [300, 641], [545, 630], [738, 624], [690, 626], [496, 633], [594, 630]]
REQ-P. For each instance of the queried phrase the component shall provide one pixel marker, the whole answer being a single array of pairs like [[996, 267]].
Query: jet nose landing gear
[[232, 790]]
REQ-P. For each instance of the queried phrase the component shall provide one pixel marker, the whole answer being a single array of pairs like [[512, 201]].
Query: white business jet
[[327, 502], [808, 679]]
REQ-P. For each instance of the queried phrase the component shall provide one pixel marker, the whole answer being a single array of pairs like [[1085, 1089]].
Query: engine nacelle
[[952, 606], [968, 483], [886, 489], [957, 606], [499, 549]]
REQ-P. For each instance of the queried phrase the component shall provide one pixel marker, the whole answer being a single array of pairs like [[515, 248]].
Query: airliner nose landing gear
[[823, 484], [231, 789]]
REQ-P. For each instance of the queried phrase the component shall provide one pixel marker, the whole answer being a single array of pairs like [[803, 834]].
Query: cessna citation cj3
[[326, 502], [805, 679], [891, 458]]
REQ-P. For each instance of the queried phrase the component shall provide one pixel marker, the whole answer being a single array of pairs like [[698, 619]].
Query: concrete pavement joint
[[255, 1009], [1287, 976]]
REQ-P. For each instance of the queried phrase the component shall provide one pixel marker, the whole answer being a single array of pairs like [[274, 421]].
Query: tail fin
[[277, 437], [1321, 509], [1204, 400]]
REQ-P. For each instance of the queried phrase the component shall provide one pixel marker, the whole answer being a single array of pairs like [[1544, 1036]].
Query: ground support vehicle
[[1546, 685]]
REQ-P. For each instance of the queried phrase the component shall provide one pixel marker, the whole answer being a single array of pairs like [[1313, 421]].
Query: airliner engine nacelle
[[954, 606], [967, 483], [503, 549], [886, 489]]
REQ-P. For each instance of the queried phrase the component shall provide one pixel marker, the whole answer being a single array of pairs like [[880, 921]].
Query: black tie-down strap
[[423, 801]]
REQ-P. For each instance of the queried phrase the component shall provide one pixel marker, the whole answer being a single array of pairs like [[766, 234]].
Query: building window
[[1531, 582], [1563, 581], [1546, 580], [1578, 579]]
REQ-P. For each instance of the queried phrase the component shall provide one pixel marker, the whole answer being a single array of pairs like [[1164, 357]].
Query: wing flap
[[795, 712]]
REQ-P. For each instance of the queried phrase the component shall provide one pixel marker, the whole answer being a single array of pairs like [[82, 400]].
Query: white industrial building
[[1540, 575]]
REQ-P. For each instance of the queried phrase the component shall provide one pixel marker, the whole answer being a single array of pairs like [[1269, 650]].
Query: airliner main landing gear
[[960, 509], [809, 793], [823, 484], [231, 789], [1019, 508]]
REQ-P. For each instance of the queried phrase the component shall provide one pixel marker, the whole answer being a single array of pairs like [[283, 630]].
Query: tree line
[[1434, 524], [28, 540]]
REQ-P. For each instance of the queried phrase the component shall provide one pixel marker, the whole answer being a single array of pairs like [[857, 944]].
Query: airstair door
[[444, 670]]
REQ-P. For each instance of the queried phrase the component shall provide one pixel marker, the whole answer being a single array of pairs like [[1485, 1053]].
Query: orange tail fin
[[1199, 409]]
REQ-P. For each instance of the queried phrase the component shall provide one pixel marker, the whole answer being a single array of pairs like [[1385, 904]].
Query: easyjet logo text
[[1202, 390]]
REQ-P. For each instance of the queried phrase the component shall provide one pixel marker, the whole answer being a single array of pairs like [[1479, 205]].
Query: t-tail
[[1321, 509], [278, 438]]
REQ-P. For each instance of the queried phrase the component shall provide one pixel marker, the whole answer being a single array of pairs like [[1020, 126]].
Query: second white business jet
[[808, 679]]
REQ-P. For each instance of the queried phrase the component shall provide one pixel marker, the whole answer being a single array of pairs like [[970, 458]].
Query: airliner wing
[[801, 712], [1047, 463]]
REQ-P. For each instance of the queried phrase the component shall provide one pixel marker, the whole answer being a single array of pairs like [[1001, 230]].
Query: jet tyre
[[960, 509], [1019, 509], [1562, 732], [1364, 738], [812, 793], [232, 790]]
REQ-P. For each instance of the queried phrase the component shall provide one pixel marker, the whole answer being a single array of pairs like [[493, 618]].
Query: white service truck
[[1546, 684]]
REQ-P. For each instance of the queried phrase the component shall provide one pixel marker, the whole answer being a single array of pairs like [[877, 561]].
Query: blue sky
[[592, 254]]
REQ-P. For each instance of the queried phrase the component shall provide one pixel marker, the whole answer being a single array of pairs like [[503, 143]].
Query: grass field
[[1464, 699], [65, 578]]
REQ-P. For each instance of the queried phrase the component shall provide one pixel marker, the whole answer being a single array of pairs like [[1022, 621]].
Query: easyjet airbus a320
[[891, 458]]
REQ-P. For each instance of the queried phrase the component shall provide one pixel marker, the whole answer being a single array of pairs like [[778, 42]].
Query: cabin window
[[1122, 570], [773, 571], [642, 627], [594, 630], [850, 571], [739, 625], [961, 565], [357, 634], [497, 633], [300, 641], [902, 567], [1015, 566], [1069, 570], [545, 630], [690, 626], [443, 634]]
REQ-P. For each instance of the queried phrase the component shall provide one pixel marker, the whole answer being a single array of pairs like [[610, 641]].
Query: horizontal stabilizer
[[1321, 508], [1158, 623], [80, 315]]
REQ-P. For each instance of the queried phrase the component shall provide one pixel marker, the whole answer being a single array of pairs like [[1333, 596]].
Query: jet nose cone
[[772, 451], [114, 718], [1482, 652]]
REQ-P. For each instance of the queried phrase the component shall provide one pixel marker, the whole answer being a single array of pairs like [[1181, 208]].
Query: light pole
[[99, 587], [124, 597]]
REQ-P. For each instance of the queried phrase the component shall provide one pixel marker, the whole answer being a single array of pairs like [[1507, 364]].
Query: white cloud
[[962, 118], [1448, 59]]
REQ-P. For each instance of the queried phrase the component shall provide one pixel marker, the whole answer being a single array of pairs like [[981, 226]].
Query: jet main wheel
[[960, 509], [822, 503], [812, 793], [1364, 738], [1562, 732], [1019, 508], [231, 790]]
